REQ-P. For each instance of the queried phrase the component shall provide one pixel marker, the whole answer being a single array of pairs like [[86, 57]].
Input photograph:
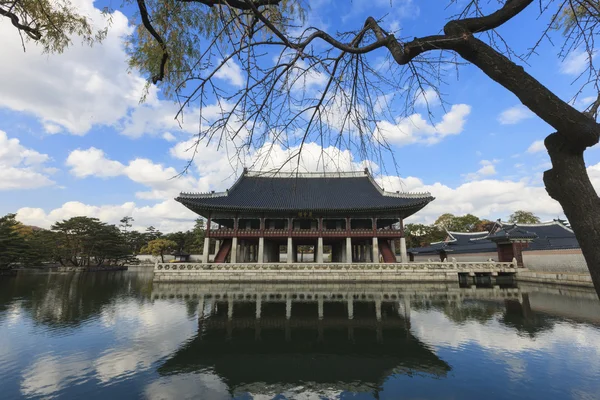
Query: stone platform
[[328, 272]]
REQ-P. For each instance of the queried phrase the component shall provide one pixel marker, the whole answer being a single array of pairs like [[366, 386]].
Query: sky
[[76, 140]]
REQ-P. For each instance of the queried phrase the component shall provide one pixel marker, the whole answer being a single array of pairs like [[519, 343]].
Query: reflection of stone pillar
[[407, 308], [288, 331], [378, 309], [320, 250], [258, 306], [350, 308], [261, 250], [234, 250], [290, 251], [320, 304], [403, 254], [230, 308], [205, 251], [348, 250], [201, 307], [375, 250], [288, 308]]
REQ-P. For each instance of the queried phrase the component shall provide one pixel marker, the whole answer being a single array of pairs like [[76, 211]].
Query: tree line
[[418, 235], [89, 242]]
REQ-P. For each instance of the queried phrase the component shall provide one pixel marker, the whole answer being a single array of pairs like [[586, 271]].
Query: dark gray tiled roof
[[355, 191], [543, 230], [462, 238], [513, 232], [554, 244]]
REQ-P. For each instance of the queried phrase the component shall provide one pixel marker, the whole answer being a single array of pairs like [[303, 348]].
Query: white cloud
[[575, 63], [484, 197], [75, 90], [487, 169], [514, 115], [231, 72], [427, 98], [167, 216], [169, 137], [536, 147], [20, 167], [415, 129], [162, 181], [92, 162]]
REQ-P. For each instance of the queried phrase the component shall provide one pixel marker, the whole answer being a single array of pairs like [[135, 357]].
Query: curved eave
[[416, 206]]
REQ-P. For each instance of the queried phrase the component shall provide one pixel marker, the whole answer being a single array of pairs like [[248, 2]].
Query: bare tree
[[280, 58]]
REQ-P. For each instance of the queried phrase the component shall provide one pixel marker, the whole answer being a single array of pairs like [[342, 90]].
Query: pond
[[119, 335]]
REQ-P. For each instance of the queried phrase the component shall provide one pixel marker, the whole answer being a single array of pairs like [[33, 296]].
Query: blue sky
[[74, 139]]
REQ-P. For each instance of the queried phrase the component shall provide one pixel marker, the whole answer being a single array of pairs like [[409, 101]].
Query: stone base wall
[[466, 257], [306, 276], [558, 278], [408, 272], [91, 269], [570, 260], [151, 260]]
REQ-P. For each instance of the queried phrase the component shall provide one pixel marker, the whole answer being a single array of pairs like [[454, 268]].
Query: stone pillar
[[348, 250], [393, 247], [234, 250], [288, 307], [258, 306], [320, 304], [217, 246], [261, 250], [206, 250], [368, 253], [319, 250], [350, 308], [403, 254], [290, 251], [375, 250]]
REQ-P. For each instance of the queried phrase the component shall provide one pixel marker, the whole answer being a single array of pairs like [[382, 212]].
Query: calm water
[[118, 335]]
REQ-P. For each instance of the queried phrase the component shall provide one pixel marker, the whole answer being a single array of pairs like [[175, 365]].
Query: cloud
[[77, 89], [536, 147], [162, 181], [169, 137], [514, 115], [167, 216], [230, 72], [427, 98], [415, 129], [22, 168], [576, 62], [483, 197], [487, 169], [92, 162]]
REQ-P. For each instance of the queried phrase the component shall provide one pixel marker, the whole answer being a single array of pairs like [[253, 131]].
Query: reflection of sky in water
[[117, 349]]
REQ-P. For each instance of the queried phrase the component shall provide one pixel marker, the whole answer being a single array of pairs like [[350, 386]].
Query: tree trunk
[[569, 184]]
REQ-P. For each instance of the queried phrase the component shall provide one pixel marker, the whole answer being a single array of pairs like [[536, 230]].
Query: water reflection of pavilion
[[273, 341]]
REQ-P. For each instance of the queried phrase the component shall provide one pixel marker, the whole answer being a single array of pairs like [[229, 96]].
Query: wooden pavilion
[[262, 212]]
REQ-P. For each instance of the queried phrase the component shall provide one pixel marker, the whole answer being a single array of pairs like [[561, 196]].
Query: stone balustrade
[[429, 271]]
